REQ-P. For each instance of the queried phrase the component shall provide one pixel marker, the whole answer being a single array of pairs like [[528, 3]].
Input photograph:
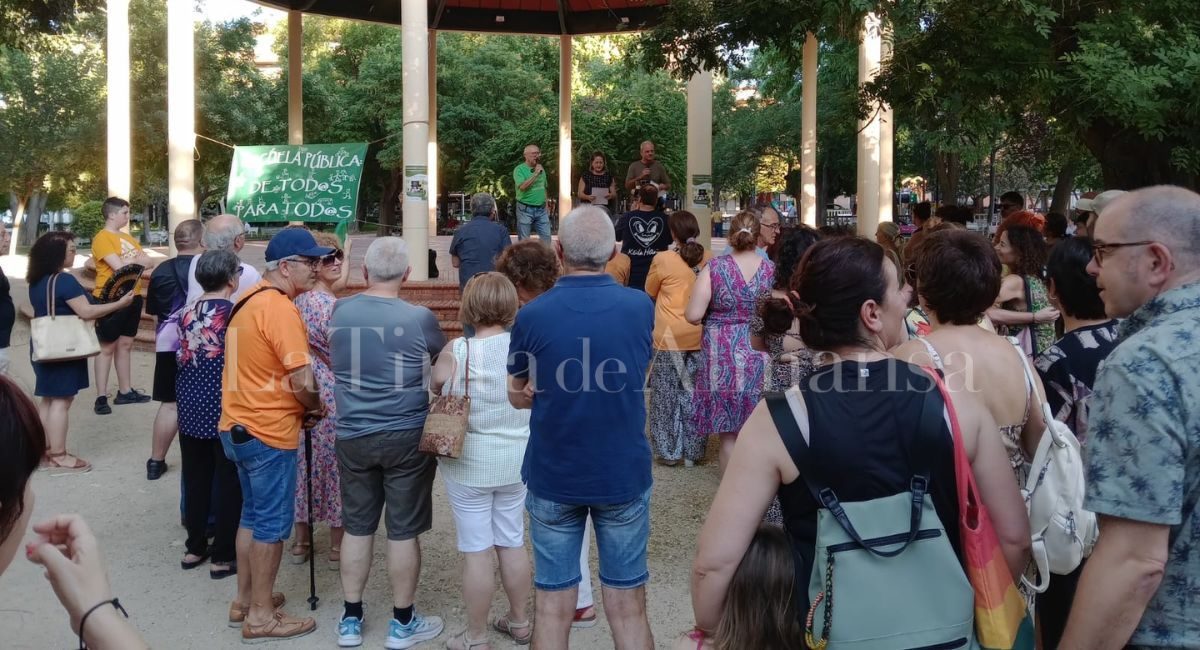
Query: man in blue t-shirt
[[478, 242], [578, 358]]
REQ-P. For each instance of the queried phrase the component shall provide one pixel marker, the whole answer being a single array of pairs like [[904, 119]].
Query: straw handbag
[[446, 425], [61, 337]]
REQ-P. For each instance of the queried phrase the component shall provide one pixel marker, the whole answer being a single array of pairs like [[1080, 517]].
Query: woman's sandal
[[56, 467], [461, 642], [230, 569], [301, 556], [188, 566], [505, 626]]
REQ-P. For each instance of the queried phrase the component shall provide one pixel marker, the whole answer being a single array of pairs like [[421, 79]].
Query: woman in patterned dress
[[1023, 304], [730, 375], [315, 307], [201, 359]]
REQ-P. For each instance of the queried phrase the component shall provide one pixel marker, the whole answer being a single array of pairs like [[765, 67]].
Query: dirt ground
[[137, 522]]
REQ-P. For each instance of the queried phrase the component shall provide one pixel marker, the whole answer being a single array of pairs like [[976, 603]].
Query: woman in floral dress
[[731, 372], [315, 307]]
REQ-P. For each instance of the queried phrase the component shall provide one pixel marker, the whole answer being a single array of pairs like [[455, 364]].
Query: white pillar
[[887, 128], [295, 77], [119, 145], [808, 122], [415, 34], [433, 137], [699, 153], [867, 194], [181, 117], [564, 126]]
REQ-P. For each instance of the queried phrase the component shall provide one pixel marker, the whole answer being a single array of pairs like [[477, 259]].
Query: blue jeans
[[622, 536], [533, 216], [268, 478]]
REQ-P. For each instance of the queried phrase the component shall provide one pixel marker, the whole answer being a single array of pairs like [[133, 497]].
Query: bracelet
[[114, 602]]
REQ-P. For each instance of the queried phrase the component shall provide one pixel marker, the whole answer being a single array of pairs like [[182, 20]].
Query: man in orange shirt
[[113, 250], [268, 392]]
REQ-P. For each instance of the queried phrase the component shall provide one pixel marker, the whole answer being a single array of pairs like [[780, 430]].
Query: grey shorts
[[386, 469]]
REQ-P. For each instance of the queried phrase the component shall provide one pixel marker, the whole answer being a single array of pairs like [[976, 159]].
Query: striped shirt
[[496, 432]]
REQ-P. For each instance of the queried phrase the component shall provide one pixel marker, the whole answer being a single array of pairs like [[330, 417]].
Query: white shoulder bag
[[58, 337]]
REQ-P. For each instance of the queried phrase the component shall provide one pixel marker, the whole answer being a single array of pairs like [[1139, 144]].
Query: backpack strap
[[238, 307], [789, 432]]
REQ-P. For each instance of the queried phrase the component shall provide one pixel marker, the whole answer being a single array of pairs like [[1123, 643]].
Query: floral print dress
[[315, 308]]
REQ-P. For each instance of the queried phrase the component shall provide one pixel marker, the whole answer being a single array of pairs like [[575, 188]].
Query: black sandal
[[221, 574], [188, 566]]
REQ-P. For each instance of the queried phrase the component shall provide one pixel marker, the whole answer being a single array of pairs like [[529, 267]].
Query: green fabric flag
[[342, 231]]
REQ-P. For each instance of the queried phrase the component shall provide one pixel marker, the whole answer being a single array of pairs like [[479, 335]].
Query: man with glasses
[[224, 232], [768, 230], [268, 393], [530, 179], [1139, 586]]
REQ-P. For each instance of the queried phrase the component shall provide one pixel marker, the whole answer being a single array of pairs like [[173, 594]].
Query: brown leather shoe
[[238, 611], [281, 626]]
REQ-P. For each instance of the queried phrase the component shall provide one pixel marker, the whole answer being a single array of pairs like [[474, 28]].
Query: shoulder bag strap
[[964, 476], [933, 353], [793, 440], [1032, 326], [238, 307], [51, 294]]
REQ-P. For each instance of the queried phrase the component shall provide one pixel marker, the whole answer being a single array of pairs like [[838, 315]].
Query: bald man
[[224, 232], [1139, 586], [647, 169], [530, 179], [166, 296]]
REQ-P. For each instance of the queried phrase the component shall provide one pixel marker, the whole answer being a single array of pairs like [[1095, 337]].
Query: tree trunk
[[387, 202], [1063, 188], [16, 206], [1129, 161]]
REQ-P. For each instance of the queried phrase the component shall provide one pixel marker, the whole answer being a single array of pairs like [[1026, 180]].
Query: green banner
[[307, 182]]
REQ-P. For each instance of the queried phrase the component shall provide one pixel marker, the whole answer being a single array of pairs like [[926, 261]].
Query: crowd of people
[[841, 375]]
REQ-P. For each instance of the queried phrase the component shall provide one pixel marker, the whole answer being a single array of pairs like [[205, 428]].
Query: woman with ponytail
[[725, 298], [676, 343]]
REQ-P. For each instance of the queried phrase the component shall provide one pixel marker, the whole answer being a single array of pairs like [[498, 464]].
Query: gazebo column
[[181, 117], [564, 126], [887, 126], [699, 153], [808, 122], [415, 69], [117, 60], [433, 137], [295, 77], [867, 194]]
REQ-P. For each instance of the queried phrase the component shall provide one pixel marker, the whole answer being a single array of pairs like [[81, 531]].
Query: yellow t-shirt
[[107, 243], [266, 340], [670, 283]]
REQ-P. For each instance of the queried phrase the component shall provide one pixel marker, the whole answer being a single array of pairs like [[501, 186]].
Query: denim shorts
[[268, 478], [622, 537]]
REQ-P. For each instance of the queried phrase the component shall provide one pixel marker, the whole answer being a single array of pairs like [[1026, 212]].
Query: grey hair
[[216, 268], [1166, 213], [482, 203], [587, 238], [386, 260], [222, 231]]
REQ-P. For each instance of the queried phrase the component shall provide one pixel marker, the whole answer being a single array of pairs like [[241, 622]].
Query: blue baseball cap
[[291, 242]]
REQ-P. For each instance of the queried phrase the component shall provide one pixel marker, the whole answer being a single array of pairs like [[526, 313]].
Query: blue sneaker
[[349, 632], [418, 629]]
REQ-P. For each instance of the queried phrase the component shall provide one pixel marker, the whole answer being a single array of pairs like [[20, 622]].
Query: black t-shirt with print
[[642, 235]]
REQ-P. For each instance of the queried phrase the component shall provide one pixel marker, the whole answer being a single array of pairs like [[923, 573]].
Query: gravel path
[[137, 522]]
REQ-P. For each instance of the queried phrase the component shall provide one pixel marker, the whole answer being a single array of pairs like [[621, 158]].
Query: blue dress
[[57, 378]]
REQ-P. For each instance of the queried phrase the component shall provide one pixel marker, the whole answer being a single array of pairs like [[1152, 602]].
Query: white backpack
[[1063, 532]]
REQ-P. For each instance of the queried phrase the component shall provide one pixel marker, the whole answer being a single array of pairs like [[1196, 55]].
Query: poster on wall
[[416, 182], [701, 190], [305, 182]]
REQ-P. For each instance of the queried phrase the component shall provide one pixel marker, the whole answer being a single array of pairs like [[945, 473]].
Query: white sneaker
[[419, 629], [689, 463], [349, 632]]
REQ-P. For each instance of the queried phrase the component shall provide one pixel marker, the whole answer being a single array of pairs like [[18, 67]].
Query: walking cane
[[312, 564]]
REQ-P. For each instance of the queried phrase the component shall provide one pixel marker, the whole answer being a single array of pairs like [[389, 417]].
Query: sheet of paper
[[600, 196]]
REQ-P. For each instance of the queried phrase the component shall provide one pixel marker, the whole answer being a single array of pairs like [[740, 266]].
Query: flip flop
[[188, 566], [220, 574]]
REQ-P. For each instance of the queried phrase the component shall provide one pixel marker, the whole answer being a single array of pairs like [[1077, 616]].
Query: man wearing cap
[[1097, 205], [267, 394]]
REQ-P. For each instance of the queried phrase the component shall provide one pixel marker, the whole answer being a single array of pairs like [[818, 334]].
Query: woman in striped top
[[484, 484]]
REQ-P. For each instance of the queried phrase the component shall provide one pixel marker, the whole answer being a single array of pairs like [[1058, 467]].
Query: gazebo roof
[[550, 17]]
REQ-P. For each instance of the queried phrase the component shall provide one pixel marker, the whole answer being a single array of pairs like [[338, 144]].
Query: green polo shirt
[[536, 194]]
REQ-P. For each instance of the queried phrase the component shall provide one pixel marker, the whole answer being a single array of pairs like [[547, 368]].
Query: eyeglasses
[[333, 258], [238, 272], [310, 262], [772, 226], [1101, 250]]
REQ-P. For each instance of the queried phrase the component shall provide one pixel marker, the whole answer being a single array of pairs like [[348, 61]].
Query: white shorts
[[487, 517]]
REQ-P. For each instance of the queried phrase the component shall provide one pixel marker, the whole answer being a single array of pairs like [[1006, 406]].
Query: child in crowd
[[760, 610]]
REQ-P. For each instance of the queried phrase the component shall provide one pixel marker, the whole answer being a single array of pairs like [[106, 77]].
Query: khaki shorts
[[386, 469]]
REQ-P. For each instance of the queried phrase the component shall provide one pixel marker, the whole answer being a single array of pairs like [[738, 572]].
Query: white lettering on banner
[[311, 160]]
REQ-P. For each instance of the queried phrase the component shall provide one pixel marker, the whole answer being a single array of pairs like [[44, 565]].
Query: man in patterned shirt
[[1140, 586]]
